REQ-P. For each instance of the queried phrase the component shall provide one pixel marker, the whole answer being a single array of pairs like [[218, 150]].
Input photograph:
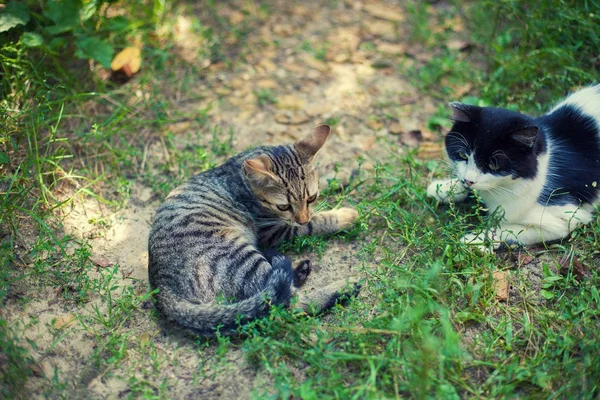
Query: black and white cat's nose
[[467, 182]]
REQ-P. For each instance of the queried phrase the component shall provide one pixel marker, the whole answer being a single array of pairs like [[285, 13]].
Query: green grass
[[428, 323]]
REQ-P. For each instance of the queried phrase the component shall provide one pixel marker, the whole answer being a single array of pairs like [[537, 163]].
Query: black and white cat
[[544, 172]]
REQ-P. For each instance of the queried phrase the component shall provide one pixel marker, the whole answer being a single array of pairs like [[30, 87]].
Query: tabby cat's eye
[[463, 155], [311, 199], [284, 207]]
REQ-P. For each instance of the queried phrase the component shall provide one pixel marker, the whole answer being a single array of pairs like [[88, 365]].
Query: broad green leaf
[[4, 158], [57, 43], [95, 49], [88, 9], [117, 24], [64, 14], [13, 14], [546, 294], [31, 39]]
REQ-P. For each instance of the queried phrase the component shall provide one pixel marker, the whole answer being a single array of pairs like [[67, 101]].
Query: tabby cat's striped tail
[[205, 319]]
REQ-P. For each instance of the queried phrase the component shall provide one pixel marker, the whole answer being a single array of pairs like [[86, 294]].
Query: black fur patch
[[491, 134], [301, 272], [574, 164]]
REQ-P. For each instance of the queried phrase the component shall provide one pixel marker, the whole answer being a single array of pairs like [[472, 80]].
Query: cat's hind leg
[[446, 190]]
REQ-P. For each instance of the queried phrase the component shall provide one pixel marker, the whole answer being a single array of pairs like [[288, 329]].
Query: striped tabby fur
[[205, 245]]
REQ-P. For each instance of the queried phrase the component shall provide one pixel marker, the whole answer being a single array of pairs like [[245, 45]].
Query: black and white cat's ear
[[526, 136], [259, 169], [460, 112], [311, 144]]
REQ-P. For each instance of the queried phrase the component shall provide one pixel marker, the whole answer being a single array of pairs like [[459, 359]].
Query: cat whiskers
[[504, 192], [462, 139], [500, 153]]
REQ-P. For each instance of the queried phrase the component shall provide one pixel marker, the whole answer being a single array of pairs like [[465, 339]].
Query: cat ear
[[526, 136], [460, 112], [310, 145], [259, 169]]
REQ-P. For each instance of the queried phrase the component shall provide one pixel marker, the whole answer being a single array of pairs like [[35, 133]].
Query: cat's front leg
[[322, 223], [446, 190], [511, 235], [484, 241], [331, 221]]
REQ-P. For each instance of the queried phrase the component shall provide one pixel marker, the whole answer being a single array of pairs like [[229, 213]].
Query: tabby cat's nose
[[302, 220]]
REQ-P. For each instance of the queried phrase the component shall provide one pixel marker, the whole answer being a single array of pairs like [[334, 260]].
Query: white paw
[[346, 216], [445, 190], [480, 242]]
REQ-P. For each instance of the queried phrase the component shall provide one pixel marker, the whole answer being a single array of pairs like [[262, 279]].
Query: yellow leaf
[[65, 322], [129, 60]]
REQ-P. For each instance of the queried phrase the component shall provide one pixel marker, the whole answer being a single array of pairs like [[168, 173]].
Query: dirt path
[[318, 61]]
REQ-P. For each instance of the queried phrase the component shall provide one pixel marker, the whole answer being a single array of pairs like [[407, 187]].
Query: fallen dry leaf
[[430, 151], [65, 322], [314, 63], [291, 118], [395, 128], [381, 28], [459, 45], [368, 142], [102, 262], [412, 138], [580, 270], [374, 124], [266, 84], [391, 48], [236, 17], [267, 65], [382, 63], [384, 12], [524, 259], [500, 284], [128, 61], [290, 102]]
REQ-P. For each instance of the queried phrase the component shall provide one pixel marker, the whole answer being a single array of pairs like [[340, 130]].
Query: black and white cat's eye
[[493, 166], [311, 199], [284, 207], [463, 155]]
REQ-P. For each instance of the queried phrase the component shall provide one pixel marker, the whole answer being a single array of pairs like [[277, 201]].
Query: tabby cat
[[206, 244], [542, 173]]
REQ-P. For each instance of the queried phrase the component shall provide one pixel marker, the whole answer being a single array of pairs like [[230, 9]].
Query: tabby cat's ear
[[259, 169], [310, 145], [460, 112], [526, 136]]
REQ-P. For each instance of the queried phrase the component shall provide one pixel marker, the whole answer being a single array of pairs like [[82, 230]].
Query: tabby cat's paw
[[346, 217]]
